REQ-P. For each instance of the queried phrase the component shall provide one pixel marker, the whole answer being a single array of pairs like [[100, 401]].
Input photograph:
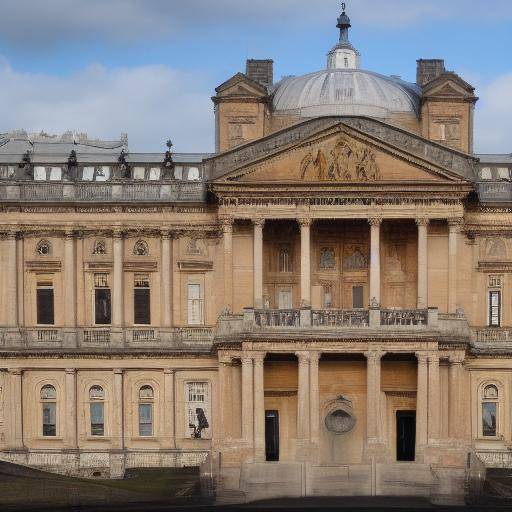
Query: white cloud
[[150, 103]]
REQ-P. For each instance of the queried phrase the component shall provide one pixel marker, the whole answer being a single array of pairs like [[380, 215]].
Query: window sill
[[145, 438], [101, 439], [49, 438]]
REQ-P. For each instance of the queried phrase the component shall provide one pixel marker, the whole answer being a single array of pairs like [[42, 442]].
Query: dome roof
[[341, 91]]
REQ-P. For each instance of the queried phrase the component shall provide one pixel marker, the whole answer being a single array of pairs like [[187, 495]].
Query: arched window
[[44, 248], [490, 410], [140, 248], [285, 259], [146, 399], [48, 397], [97, 410]]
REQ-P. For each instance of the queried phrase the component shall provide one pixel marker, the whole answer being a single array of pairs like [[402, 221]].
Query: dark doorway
[[405, 435], [272, 435]]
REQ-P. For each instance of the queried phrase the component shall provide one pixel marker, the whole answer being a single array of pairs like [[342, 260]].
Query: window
[[154, 173], [486, 173], [7, 171], [141, 300], [146, 398], [193, 174], [197, 407], [490, 402], [139, 173], [285, 261], [503, 173], [346, 62], [97, 410], [39, 173], [55, 174], [442, 131], [178, 172], [494, 308], [45, 301], [102, 300], [195, 304], [101, 173], [358, 297], [49, 410], [284, 299], [327, 296], [47, 173]]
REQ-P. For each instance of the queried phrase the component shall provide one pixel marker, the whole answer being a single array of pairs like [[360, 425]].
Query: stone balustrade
[[277, 318], [492, 335], [496, 458], [340, 318], [404, 317], [494, 191]]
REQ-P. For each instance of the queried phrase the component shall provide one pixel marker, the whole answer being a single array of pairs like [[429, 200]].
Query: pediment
[[448, 84], [240, 85]]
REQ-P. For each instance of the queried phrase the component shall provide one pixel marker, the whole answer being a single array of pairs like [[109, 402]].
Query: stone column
[[375, 261], [303, 418], [422, 401], [15, 439], [165, 282], [258, 263], [259, 408], [118, 288], [314, 404], [434, 399], [20, 242], [454, 226], [422, 263], [455, 415], [169, 410], [227, 229], [247, 400], [69, 280], [70, 437], [225, 396], [10, 290], [373, 413], [118, 412], [305, 262]]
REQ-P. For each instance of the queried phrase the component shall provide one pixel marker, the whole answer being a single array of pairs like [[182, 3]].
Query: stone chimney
[[428, 70], [261, 71]]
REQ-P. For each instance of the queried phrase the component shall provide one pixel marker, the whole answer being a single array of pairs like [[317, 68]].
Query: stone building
[[319, 308]]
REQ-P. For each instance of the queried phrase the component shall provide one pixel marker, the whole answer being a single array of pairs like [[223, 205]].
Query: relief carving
[[356, 260], [496, 248]]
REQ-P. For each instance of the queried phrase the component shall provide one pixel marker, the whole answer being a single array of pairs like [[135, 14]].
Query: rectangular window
[[49, 420], [145, 420], [97, 419], [45, 306], [141, 300], [139, 173], [102, 300], [357, 297], [284, 299], [489, 415], [494, 308], [39, 173], [197, 417], [195, 304]]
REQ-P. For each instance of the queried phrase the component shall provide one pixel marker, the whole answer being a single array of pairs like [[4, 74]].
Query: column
[[15, 409], [118, 411], [71, 420], [117, 310], [247, 400], [314, 403], [10, 291], [259, 408], [375, 261], [434, 399], [454, 226], [169, 411], [258, 263], [455, 414], [305, 262], [227, 229], [69, 280], [422, 400], [303, 419], [225, 396], [373, 414], [422, 263], [165, 282], [21, 278]]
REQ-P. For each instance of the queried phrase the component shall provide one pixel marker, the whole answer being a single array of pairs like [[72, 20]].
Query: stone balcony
[[102, 192], [494, 191]]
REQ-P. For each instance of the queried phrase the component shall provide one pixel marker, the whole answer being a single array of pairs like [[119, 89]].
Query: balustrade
[[404, 317], [144, 335], [277, 318], [97, 336], [493, 335], [340, 318]]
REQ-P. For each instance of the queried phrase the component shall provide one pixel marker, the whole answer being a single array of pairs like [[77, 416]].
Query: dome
[[341, 91]]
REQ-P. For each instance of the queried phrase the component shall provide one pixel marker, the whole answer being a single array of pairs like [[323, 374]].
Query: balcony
[[495, 191], [492, 335]]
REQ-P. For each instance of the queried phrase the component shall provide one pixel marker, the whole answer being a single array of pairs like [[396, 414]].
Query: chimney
[[261, 71], [428, 70]]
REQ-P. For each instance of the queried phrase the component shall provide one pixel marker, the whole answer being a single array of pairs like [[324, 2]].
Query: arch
[[48, 392], [96, 392], [146, 392]]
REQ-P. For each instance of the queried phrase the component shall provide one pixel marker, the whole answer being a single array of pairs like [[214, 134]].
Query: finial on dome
[[343, 24], [343, 55]]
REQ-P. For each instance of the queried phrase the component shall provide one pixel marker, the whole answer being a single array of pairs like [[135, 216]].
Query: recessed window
[[358, 297], [285, 259], [490, 409], [494, 308], [97, 410], [102, 299], [146, 398], [141, 300], [48, 398], [45, 301], [195, 304], [197, 404]]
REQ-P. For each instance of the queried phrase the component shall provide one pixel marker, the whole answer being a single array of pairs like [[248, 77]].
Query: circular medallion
[[340, 421]]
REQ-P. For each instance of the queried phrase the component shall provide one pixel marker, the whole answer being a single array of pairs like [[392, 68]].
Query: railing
[[277, 318], [495, 191], [97, 336], [144, 335], [493, 335], [48, 335], [340, 318], [41, 192], [404, 317], [496, 458], [93, 192], [195, 334], [141, 192]]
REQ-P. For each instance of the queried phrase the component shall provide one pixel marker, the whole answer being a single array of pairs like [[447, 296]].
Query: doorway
[[405, 435], [272, 436]]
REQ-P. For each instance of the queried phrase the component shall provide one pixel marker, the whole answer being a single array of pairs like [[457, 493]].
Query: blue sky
[[149, 67]]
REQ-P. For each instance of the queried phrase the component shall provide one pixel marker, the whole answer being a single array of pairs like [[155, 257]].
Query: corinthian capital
[[375, 221], [304, 222], [422, 221]]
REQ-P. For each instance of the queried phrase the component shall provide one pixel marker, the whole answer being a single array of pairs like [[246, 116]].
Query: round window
[[340, 421]]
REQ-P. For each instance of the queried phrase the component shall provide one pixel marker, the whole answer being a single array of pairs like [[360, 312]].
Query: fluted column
[[258, 263], [303, 419], [10, 291], [247, 400], [305, 262], [118, 411], [118, 288], [422, 263], [314, 403], [70, 415], [227, 229], [15, 413], [454, 226], [422, 401], [165, 283], [169, 409], [375, 224], [69, 280], [373, 413], [434, 399], [455, 415], [259, 408]]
